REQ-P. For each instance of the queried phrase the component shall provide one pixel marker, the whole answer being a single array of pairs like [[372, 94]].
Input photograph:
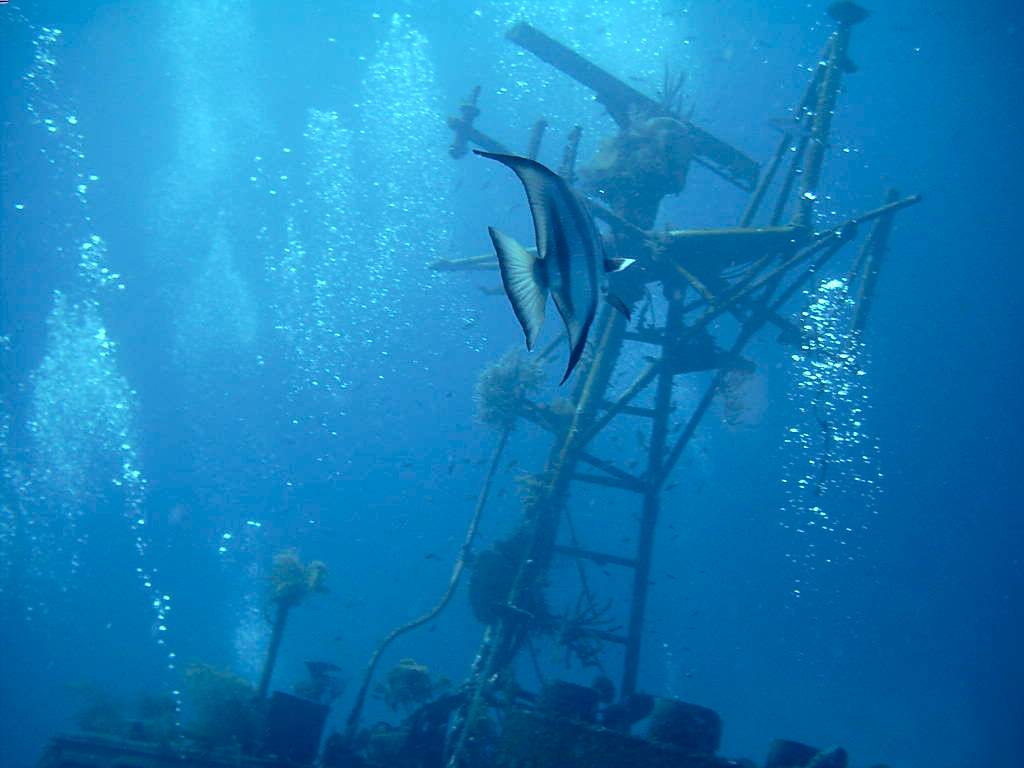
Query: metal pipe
[[352, 723], [846, 15], [652, 499], [536, 137], [874, 251], [572, 148], [501, 643], [783, 146]]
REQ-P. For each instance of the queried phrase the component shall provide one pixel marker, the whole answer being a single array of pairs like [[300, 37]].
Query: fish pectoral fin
[[617, 265], [525, 281], [619, 304]]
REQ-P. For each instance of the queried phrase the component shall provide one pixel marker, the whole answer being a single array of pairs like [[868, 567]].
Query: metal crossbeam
[[749, 272]]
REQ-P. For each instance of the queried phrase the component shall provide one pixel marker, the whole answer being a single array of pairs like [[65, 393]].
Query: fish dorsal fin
[[542, 185], [525, 281]]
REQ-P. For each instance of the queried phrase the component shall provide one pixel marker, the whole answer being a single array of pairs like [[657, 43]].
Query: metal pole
[[352, 724], [652, 495], [846, 15], [536, 136], [874, 251], [499, 645], [783, 147]]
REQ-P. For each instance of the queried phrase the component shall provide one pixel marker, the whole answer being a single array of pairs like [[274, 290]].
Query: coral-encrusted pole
[[290, 583]]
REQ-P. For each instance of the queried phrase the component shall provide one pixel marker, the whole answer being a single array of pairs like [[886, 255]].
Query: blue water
[[221, 340]]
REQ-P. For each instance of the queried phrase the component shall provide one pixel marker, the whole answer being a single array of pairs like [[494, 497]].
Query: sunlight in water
[[831, 475], [81, 452], [364, 207], [411, 212], [207, 44], [12, 491], [635, 41], [218, 319], [312, 274]]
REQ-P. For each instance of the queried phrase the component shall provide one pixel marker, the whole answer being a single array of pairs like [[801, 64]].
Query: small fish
[[566, 262], [431, 556]]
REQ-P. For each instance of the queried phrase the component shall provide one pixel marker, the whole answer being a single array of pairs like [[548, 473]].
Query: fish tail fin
[[525, 281]]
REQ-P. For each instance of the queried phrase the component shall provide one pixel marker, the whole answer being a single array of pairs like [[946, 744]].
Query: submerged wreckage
[[750, 273]]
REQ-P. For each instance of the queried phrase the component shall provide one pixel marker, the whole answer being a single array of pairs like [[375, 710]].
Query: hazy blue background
[[283, 358]]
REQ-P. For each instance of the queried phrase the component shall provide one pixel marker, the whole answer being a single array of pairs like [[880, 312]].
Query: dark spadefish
[[566, 262]]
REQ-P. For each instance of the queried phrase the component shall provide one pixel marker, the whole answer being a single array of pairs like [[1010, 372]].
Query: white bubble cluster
[[402, 132], [209, 49], [48, 107], [81, 454], [252, 630], [82, 413], [317, 279], [92, 266], [831, 474], [217, 326], [11, 481], [364, 205]]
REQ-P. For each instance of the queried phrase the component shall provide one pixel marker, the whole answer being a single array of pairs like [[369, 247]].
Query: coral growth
[[227, 714], [291, 581], [98, 711], [151, 718], [408, 685], [503, 388]]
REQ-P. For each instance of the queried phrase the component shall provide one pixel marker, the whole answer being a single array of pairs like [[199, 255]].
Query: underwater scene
[[472, 383]]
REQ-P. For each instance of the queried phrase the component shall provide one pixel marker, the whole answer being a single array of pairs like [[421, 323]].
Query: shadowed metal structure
[[747, 272], [682, 284]]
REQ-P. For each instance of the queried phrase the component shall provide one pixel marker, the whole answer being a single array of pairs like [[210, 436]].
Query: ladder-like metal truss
[[748, 273]]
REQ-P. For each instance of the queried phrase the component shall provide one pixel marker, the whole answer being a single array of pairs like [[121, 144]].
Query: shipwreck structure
[[749, 272]]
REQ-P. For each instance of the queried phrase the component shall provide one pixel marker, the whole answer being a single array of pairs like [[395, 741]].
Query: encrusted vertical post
[[846, 15], [536, 137], [652, 493], [572, 147]]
